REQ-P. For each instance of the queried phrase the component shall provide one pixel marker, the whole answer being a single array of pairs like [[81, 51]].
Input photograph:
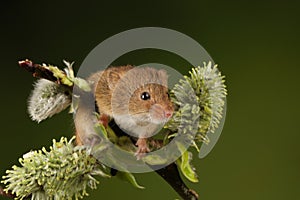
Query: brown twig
[[37, 70], [170, 174], [6, 194]]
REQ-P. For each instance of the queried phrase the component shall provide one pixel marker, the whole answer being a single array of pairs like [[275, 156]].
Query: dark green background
[[255, 43]]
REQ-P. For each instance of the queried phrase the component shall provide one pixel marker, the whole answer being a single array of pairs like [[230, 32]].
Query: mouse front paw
[[142, 148]]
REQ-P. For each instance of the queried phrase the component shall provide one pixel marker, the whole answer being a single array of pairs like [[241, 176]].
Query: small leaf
[[69, 69], [111, 134], [128, 177], [100, 129], [82, 84], [154, 160], [184, 164], [61, 76]]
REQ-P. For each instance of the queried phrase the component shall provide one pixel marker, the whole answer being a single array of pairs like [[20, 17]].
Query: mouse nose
[[168, 114]]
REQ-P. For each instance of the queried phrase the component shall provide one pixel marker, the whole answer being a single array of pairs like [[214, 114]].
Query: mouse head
[[151, 102], [142, 94]]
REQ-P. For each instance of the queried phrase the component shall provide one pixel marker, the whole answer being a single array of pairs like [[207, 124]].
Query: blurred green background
[[255, 43]]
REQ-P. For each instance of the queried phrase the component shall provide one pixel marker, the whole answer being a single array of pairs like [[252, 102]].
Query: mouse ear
[[113, 78], [163, 76]]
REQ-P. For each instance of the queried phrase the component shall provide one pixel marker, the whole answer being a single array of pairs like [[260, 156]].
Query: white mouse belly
[[136, 127]]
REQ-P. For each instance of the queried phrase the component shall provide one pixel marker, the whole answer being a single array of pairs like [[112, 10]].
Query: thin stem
[[6, 194], [171, 175], [37, 70]]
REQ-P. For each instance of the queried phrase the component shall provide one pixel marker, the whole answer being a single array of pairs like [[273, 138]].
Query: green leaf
[[154, 160], [60, 75], [111, 134], [82, 84], [128, 177], [100, 129], [184, 164]]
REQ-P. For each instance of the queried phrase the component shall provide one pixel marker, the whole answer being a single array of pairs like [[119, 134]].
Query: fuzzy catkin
[[200, 99], [47, 98]]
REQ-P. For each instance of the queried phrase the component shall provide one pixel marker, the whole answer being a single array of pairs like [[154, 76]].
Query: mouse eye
[[145, 96]]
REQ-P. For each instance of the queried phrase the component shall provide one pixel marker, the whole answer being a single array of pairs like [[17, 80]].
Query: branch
[[37, 70], [171, 175], [52, 73], [6, 194]]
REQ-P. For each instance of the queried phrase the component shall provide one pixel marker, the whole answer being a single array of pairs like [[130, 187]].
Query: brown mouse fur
[[137, 98]]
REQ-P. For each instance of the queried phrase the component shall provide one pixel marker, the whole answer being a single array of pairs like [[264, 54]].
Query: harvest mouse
[[135, 97]]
